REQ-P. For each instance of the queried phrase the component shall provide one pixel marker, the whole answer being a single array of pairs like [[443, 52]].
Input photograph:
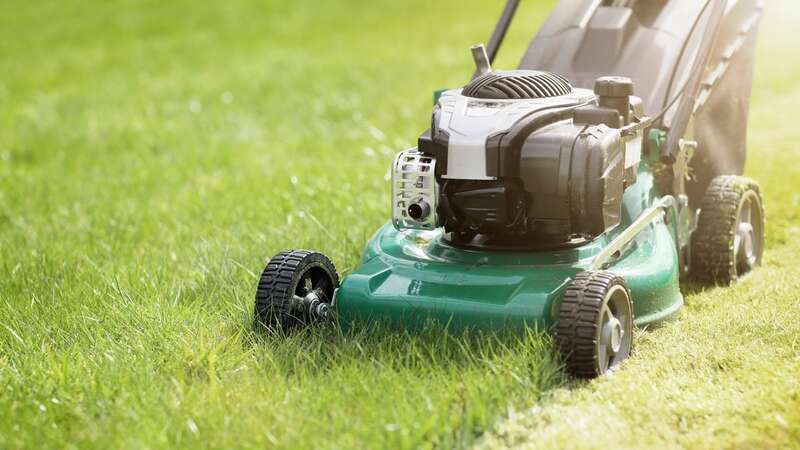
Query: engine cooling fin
[[518, 84]]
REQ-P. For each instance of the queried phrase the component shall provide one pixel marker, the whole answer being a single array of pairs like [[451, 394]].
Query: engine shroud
[[525, 167]]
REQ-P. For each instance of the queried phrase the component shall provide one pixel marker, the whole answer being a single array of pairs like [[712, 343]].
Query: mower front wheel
[[595, 324], [296, 289]]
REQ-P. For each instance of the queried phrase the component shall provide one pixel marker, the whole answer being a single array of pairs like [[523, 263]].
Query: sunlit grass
[[153, 155]]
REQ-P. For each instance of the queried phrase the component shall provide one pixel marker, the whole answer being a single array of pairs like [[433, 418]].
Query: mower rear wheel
[[296, 289], [729, 240], [595, 324]]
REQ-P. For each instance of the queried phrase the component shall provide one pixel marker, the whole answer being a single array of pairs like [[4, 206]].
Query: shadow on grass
[[690, 288]]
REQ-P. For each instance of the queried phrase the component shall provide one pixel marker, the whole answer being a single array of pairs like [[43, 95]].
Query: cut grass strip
[[725, 375]]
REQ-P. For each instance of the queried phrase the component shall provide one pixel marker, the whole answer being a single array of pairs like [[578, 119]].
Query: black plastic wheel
[[595, 324], [289, 278], [729, 240]]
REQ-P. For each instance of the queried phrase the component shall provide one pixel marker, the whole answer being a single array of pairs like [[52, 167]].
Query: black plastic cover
[[597, 181]]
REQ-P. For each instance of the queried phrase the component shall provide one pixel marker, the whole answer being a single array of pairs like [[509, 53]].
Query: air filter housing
[[517, 84]]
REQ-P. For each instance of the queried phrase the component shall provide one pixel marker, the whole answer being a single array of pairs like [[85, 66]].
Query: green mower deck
[[411, 278]]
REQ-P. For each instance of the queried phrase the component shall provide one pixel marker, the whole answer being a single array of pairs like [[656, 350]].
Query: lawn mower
[[571, 194]]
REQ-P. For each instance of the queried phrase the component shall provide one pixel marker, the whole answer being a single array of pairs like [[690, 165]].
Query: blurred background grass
[[153, 154]]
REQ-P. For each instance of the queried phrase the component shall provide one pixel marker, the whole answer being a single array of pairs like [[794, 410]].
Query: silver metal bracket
[[615, 247], [415, 192]]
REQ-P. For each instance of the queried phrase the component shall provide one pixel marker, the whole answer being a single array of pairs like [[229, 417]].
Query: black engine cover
[[485, 207], [568, 182]]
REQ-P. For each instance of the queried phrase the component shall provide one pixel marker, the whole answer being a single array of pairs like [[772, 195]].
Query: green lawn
[[154, 154]]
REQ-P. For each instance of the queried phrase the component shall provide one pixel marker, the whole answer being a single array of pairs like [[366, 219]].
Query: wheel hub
[[747, 245], [612, 334], [746, 235], [314, 306]]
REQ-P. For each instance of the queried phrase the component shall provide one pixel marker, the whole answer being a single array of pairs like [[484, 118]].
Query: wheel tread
[[712, 243], [577, 329], [273, 293]]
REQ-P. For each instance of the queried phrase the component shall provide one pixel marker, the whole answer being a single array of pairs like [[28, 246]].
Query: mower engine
[[521, 158]]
